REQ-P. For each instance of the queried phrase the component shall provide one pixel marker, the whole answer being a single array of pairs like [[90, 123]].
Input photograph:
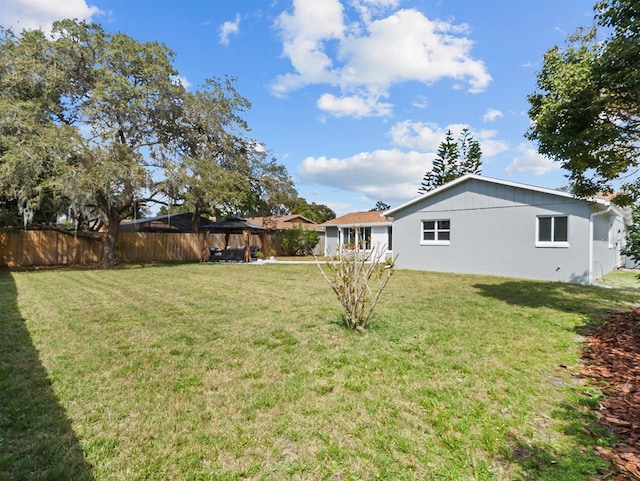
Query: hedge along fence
[[49, 247]]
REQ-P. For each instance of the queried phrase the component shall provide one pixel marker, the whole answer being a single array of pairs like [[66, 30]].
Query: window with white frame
[[357, 235], [437, 231], [552, 231], [348, 235], [365, 240]]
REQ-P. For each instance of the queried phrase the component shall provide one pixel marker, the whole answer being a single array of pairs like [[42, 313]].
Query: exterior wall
[[609, 234], [380, 238], [331, 240], [493, 231]]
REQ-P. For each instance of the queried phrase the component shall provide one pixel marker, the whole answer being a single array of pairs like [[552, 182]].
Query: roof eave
[[508, 183]]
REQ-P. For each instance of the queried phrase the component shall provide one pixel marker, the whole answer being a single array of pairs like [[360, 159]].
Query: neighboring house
[[281, 222], [481, 225], [372, 228], [164, 223]]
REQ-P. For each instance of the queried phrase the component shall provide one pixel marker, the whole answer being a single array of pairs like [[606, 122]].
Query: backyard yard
[[245, 372]]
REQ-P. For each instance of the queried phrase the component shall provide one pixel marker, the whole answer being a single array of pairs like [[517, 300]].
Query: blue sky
[[355, 96]]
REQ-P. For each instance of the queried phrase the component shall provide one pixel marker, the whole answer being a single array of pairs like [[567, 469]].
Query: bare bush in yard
[[358, 277]]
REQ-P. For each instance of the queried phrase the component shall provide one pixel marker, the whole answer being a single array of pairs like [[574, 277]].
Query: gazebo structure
[[237, 225]]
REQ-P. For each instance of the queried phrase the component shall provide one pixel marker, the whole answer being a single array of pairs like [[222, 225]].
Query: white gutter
[[591, 217]]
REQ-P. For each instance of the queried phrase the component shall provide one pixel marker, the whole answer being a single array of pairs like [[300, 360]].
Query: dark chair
[[215, 254]]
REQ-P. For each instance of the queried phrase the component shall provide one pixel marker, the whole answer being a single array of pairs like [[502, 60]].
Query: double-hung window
[[365, 240], [552, 231], [436, 231]]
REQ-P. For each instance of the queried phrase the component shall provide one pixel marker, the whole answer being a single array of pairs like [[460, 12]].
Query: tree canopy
[[585, 111], [318, 213], [97, 124], [454, 160]]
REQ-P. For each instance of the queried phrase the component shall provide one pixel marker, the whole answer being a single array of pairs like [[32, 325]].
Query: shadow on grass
[[541, 461], [588, 301], [577, 462], [37, 441]]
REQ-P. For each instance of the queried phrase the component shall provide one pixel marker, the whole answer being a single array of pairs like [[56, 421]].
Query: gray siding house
[[480, 225], [370, 228]]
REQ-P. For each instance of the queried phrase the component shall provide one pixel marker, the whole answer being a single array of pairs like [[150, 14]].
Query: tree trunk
[[109, 255], [195, 221]]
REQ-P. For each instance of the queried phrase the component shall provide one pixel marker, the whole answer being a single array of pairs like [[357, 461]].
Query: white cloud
[[370, 8], [371, 55], [182, 80], [421, 102], [303, 33], [489, 145], [407, 46], [531, 162], [393, 174], [417, 135], [229, 28], [428, 136], [353, 106], [33, 14], [383, 174], [491, 115]]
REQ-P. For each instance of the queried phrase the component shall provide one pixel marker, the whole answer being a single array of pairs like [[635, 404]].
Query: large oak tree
[[101, 123]]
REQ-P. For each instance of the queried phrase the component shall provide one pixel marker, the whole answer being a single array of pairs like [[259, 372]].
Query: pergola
[[237, 225]]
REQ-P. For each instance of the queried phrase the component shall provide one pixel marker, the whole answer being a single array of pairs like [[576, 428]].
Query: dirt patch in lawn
[[612, 362]]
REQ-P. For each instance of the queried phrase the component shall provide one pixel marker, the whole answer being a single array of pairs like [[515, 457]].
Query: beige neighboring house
[[281, 222], [372, 227]]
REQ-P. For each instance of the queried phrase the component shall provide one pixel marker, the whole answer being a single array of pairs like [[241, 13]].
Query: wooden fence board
[[47, 248]]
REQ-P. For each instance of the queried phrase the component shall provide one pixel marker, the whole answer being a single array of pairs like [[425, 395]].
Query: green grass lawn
[[245, 372], [622, 279]]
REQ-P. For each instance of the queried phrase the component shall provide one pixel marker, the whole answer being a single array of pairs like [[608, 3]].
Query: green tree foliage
[[91, 120], [297, 241], [585, 111], [31, 137], [222, 172], [632, 248], [454, 159], [381, 206], [318, 213]]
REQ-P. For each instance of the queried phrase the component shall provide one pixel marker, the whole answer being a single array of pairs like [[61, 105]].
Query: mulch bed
[[612, 362]]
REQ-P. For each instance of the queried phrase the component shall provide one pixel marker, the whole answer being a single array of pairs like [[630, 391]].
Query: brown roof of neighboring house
[[360, 218], [284, 222], [608, 197]]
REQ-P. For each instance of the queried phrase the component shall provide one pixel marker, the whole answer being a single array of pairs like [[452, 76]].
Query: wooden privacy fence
[[49, 248]]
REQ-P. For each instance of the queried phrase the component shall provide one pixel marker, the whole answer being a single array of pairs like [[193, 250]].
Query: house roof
[[374, 217], [284, 222], [466, 178], [174, 222], [232, 224]]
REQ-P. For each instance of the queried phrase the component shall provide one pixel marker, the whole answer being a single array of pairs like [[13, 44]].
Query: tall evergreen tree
[[470, 154], [380, 205], [454, 160]]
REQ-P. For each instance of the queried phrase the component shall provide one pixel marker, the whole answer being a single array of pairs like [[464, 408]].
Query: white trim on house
[[491, 180], [552, 242], [436, 241], [497, 230]]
